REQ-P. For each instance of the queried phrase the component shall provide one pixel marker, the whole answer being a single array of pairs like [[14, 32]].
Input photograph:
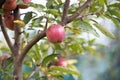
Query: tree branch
[[33, 72], [17, 43], [65, 12], [17, 64], [5, 34], [79, 11], [31, 43], [82, 16]]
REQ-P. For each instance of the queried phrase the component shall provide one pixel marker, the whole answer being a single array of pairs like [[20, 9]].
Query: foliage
[[43, 54]]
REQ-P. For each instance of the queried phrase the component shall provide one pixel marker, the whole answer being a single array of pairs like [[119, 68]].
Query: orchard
[[46, 38]]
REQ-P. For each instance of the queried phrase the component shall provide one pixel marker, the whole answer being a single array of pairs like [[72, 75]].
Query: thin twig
[[6, 35], [33, 72], [65, 12], [46, 24], [79, 11], [80, 17]]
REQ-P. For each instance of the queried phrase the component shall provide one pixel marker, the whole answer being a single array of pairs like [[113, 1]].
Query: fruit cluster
[[8, 8], [56, 34]]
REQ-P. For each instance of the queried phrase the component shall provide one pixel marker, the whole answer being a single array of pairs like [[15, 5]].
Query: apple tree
[[46, 39]]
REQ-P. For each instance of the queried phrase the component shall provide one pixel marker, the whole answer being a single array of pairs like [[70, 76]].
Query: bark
[[18, 75]]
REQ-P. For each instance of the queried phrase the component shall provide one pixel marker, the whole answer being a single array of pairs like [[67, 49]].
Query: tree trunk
[[18, 75]]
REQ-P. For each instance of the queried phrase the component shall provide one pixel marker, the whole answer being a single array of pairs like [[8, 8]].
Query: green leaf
[[85, 26], [48, 59], [49, 3], [54, 73], [57, 75], [114, 5], [28, 17], [53, 12], [4, 49], [37, 51], [37, 21], [102, 2], [41, 6], [1, 11], [36, 48], [90, 42], [60, 1], [104, 31], [91, 50], [115, 21], [115, 12], [65, 70], [38, 7], [60, 77]]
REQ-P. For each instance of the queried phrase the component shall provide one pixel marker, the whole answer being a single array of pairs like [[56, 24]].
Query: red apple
[[61, 62], [26, 1], [55, 33], [8, 21], [6, 56], [6, 12], [3, 58], [10, 4]]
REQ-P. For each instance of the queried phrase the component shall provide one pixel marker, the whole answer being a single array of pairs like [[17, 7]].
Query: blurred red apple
[[10, 4], [8, 21], [6, 56], [7, 12], [3, 58], [26, 1], [61, 62], [55, 33]]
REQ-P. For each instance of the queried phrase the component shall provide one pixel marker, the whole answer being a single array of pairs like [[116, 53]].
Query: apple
[[55, 33], [8, 21], [6, 12], [3, 58], [9, 4], [26, 1], [6, 56], [61, 62]]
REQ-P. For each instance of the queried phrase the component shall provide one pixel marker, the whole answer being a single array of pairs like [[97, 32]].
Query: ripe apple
[[8, 21], [61, 62], [3, 58], [6, 12], [26, 1], [10, 4], [6, 56], [55, 33]]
